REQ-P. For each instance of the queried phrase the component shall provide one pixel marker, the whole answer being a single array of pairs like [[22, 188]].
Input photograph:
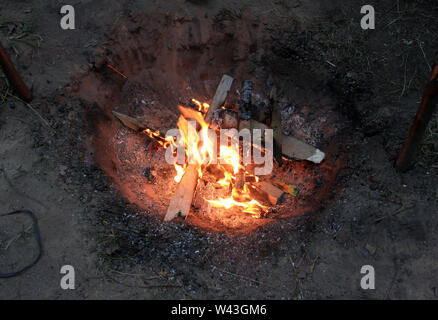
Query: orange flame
[[202, 107], [200, 149], [164, 142]]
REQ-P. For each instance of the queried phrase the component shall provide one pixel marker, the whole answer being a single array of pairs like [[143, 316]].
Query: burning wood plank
[[182, 199]]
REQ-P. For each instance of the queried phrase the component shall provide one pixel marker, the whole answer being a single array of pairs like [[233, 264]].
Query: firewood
[[137, 126], [276, 127], [292, 147], [182, 199], [297, 149], [224, 119], [262, 112], [273, 193], [129, 122], [220, 96], [246, 112], [240, 179], [245, 105], [425, 111]]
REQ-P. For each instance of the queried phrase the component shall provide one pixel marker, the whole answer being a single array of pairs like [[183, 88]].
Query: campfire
[[226, 176]]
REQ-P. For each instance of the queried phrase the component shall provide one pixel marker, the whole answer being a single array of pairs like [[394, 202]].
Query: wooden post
[[12, 75], [407, 156]]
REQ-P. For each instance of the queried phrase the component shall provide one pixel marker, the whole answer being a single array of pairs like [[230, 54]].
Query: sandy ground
[[377, 79]]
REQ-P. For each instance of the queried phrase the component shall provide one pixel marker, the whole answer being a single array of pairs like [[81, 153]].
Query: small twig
[[117, 71], [17, 191], [134, 275], [142, 287], [44, 121], [331, 63], [395, 212], [314, 264], [404, 81], [395, 20], [240, 276], [424, 55], [18, 236]]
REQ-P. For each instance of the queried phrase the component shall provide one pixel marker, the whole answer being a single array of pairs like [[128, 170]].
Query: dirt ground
[[373, 216]]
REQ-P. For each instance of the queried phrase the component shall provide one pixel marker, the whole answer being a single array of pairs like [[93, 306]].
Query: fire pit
[[148, 81]]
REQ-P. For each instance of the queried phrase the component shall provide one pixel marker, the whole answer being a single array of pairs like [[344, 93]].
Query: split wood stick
[[182, 199], [425, 111], [292, 147], [273, 193], [220, 96], [276, 127], [129, 122]]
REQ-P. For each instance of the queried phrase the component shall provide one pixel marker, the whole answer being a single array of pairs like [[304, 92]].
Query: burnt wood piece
[[408, 154], [245, 105], [224, 119], [291, 147], [245, 115], [240, 180], [182, 199], [262, 112], [12, 75], [219, 97], [273, 193], [276, 127]]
